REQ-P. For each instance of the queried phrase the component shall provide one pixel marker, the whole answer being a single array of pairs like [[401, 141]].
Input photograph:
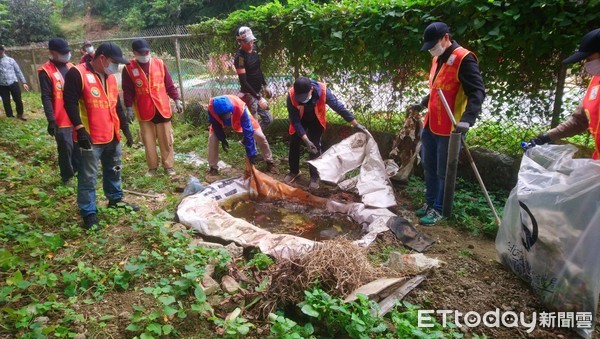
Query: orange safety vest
[[97, 108], [447, 79], [150, 91], [58, 103], [239, 107], [591, 107], [320, 108]]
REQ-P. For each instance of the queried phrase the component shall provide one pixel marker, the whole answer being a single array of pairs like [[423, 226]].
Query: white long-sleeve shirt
[[10, 71]]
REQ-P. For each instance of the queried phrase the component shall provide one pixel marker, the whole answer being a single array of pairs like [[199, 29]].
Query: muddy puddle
[[308, 222]]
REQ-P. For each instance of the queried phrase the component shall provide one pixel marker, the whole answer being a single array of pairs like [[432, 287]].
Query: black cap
[[302, 86], [1, 47], [110, 50], [86, 43], [59, 45], [434, 32], [590, 44], [140, 46]]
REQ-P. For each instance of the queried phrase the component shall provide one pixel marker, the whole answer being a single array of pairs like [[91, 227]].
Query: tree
[[27, 21]]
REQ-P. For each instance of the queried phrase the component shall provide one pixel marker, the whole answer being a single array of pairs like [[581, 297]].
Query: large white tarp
[[358, 150]]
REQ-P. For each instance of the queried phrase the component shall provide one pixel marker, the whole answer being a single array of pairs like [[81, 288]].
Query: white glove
[[179, 106], [262, 102]]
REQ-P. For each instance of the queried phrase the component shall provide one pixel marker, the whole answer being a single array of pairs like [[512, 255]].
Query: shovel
[[471, 161]]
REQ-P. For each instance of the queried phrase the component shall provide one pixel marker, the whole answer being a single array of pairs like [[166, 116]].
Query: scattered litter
[[193, 186], [420, 262], [408, 235]]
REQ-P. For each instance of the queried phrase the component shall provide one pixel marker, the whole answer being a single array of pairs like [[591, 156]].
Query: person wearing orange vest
[[92, 103], [87, 52], [454, 70], [230, 111], [52, 79], [306, 105], [587, 114], [147, 86]]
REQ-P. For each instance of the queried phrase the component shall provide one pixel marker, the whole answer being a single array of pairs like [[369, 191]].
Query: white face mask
[[112, 68], [143, 58], [437, 50], [65, 57], [89, 50], [593, 67]]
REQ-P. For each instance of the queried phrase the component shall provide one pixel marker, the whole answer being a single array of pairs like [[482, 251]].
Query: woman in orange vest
[[93, 88], [147, 86], [306, 105], [455, 71], [52, 80], [587, 115]]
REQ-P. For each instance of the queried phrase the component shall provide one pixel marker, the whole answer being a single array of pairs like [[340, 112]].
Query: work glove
[[178, 106], [129, 138], [84, 140], [262, 103], [267, 92], [539, 140], [361, 128], [129, 114], [225, 145], [312, 149], [462, 127], [416, 107], [252, 159], [52, 128]]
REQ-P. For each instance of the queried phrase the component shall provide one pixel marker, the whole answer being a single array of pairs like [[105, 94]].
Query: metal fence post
[[178, 60]]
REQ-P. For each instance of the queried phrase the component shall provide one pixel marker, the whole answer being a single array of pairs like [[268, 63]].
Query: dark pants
[[15, 91], [314, 131], [68, 152], [434, 152]]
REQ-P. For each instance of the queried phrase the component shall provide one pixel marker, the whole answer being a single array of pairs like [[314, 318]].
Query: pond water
[[278, 216]]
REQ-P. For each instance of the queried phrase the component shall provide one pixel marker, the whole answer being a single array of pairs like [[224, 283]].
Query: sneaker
[[122, 204], [432, 217], [171, 172], [421, 212], [151, 173], [271, 168], [213, 171], [314, 183], [22, 118], [90, 222], [290, 177]]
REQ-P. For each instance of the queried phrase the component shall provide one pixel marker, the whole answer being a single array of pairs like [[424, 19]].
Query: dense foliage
[[520, 44], [26, 21]]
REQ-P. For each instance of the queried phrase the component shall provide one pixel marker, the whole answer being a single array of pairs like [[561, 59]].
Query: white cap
[[244, 34]]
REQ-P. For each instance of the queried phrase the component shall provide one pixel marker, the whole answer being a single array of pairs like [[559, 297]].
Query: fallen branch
[[154, 196]]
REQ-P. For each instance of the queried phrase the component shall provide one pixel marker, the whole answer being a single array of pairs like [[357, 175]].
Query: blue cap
[[222, 105]]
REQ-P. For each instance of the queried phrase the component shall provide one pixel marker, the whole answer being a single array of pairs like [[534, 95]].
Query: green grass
[[58, 280]]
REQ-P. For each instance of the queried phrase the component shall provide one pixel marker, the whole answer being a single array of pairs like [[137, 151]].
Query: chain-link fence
[[200, 74]]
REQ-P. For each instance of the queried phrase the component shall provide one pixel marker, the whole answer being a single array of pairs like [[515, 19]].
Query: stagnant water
[[278, 216]]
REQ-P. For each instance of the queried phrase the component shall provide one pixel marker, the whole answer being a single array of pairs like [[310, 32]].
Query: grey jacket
[[10, 71]]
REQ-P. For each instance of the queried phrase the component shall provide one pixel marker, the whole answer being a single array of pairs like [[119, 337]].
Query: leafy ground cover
[[140, 277]]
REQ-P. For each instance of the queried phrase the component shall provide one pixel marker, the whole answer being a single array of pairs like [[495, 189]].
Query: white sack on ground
[[549, 234], [358, 150], [204, 214]]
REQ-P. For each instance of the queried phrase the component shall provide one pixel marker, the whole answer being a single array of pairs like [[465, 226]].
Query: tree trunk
[[560, 89]]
